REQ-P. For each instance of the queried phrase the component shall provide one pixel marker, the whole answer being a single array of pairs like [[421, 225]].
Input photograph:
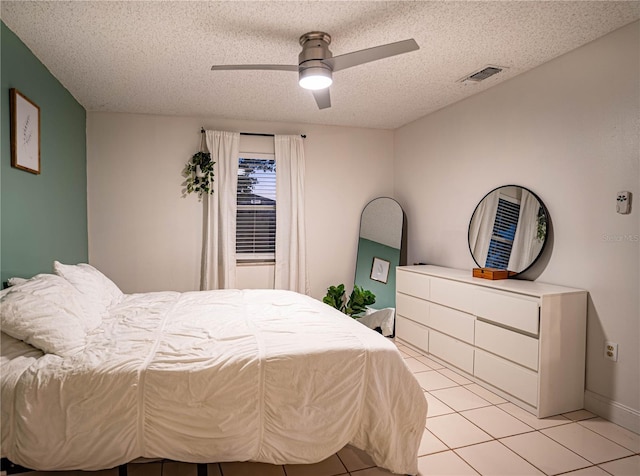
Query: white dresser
[[523, 340]]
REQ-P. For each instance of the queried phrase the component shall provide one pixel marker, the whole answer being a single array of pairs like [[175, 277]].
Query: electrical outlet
[[623, 203], [611, 351]]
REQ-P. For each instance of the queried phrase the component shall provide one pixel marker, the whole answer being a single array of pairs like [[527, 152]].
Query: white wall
[[568, 130], [146, 236]]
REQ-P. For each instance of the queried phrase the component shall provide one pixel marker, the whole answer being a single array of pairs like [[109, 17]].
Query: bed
[[92, 378]]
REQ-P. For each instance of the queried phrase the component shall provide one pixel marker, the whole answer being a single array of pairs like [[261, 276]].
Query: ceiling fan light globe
[[315, 78], [315, 82]]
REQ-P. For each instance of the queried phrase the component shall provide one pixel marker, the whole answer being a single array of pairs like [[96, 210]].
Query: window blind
[[504, 230], [256, 212]]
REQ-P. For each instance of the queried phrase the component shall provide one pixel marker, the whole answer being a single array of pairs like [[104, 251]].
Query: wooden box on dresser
[[524, 340]]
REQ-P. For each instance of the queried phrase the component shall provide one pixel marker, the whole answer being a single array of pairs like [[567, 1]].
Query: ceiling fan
[[316, 64]]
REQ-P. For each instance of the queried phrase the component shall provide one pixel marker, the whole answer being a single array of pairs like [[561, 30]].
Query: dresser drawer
[[414, 284], [413, 333], [451, 294], [511, 345], [412, 308], [451, 350], [449, 321], [509, 310], [520, 382]]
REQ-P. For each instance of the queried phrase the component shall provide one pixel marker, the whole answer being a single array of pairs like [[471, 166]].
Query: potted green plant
[[357, 303], [199, 174]]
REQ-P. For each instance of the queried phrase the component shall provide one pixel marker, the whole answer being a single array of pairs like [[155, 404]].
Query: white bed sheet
[[229, 375], [15, 358]]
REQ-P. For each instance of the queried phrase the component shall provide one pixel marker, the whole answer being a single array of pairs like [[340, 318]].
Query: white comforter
[[269, 376]]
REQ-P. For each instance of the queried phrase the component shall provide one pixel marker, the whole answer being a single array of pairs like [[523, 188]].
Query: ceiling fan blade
[[323, 98], [356, 58], [267, 67]]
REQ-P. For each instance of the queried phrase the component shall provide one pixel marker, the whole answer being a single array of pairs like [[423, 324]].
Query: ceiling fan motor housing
[[315, 49]]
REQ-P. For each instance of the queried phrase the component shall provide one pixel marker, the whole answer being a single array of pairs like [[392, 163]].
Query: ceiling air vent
[[483, 74]]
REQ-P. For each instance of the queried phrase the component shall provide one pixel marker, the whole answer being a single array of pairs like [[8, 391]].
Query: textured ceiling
[[155, 57]]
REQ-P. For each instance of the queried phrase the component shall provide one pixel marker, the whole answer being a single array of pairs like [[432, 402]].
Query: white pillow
[[45, 312], [98, 292]]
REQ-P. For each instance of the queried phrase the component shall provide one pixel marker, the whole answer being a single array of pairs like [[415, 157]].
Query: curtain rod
[[304, 136]]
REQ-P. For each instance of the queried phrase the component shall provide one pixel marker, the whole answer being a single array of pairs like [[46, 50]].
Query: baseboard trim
[[615, 412]]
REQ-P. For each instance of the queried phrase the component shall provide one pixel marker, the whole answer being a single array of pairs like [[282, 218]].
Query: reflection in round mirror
[[508, 229]]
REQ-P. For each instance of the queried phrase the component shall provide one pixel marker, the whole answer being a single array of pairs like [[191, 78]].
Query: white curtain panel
[[291, 259], [218, 267], [525, 242], [481, 227]]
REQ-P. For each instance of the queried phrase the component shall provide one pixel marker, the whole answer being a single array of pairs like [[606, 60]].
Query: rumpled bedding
[[212, 376]]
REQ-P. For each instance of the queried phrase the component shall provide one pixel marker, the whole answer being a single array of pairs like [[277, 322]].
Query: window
[[504, 231], [256, 214]]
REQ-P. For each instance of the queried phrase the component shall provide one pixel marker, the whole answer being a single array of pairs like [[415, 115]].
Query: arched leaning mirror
[[380, 249], [508, 229]]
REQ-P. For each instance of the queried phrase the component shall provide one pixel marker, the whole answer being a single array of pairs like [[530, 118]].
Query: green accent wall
[[385, 293], [43, 217]]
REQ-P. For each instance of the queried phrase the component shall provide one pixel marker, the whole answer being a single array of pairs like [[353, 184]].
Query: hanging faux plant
[[199, 174]]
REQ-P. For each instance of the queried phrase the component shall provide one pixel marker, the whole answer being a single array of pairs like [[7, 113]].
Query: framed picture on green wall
[[380, 270], [25, 133]]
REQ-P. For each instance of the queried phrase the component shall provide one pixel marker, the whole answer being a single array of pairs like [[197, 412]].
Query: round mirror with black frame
[[508, 229]]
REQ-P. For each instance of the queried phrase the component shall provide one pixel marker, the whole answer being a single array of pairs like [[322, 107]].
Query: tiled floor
[[469, 431]]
